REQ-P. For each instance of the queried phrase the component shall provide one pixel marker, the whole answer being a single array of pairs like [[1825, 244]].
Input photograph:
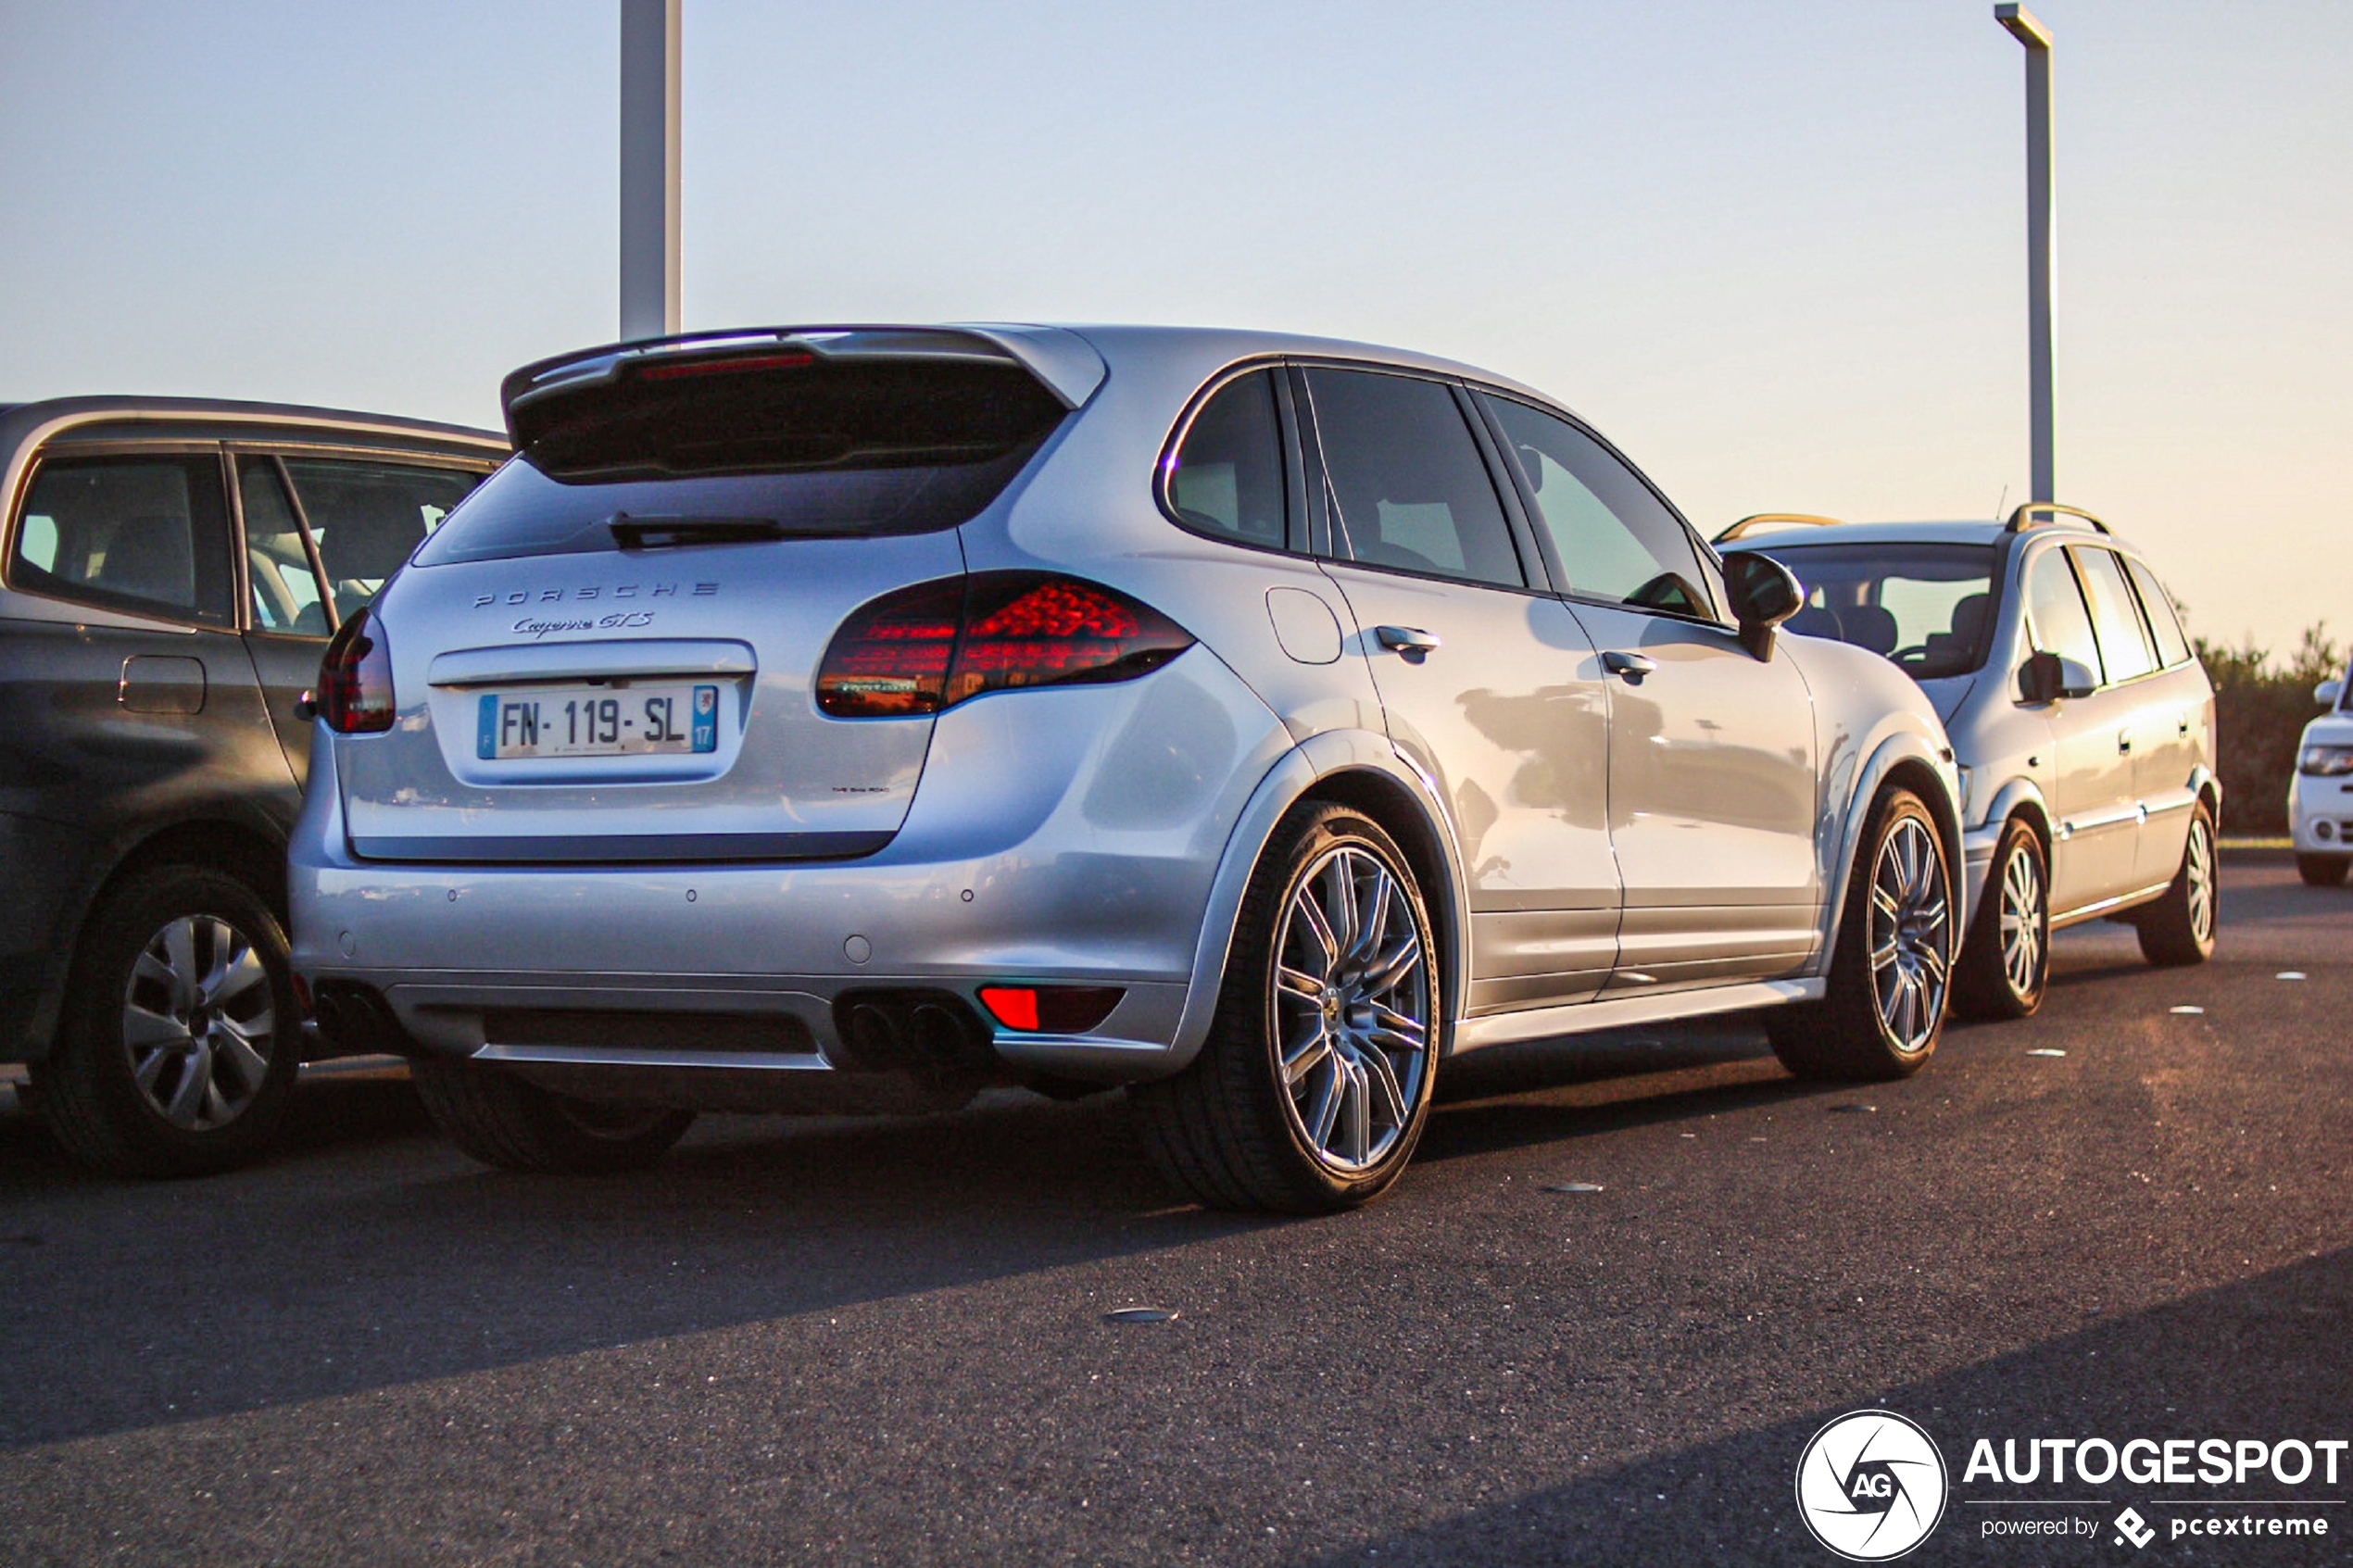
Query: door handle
[[1629, 667], [1411, 642], [2124, 743], [2182, 725]]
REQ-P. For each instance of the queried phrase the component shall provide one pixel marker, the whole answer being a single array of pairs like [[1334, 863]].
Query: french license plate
[[596, 721]]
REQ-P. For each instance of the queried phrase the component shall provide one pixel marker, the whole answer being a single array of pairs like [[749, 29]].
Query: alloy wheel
[[1352, 1008], [1911, 935], [2022, 940], [199, 1022], [2199, 865]]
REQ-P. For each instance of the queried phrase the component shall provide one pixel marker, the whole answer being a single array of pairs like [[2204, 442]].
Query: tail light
[[930, 647], [1056, 1010], [355, 679]]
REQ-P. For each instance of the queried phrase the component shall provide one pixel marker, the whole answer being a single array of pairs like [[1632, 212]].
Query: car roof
[[24, 423]]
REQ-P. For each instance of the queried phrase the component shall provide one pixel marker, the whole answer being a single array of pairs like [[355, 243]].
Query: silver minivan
[[2083, 722]]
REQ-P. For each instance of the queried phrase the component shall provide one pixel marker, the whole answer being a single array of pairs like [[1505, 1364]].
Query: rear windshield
[[1927, 607], [798, 449]]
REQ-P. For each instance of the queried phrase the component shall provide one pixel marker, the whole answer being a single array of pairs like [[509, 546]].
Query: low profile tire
[[1890, 975], [2007, 961], [2322, 871], [1315, 1083], [503, 1120], [2179, 928], [180, 1037]]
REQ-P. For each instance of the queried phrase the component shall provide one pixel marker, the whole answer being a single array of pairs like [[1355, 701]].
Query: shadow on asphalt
[[2148, 1375]]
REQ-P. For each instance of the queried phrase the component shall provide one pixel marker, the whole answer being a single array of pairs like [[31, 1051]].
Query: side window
[[1616, 539], [2172, 647], [1227, 479], [2124, 642], [1411, 489], [286, 596], [2055, 605], [367, 517], [147, 534]]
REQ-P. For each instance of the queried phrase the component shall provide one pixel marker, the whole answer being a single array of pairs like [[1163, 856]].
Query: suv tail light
[[920, 650], [355, 679]]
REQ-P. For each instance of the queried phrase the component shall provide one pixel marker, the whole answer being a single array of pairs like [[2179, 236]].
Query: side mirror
[[2327, 692], [1763, 592], [2046, 677]]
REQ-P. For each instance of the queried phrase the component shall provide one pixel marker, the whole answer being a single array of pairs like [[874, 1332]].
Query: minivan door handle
[[1629, 667], [1411, 642], [2124, 743]]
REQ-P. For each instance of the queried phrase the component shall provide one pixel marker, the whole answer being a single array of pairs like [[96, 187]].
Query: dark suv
[[171, 570]]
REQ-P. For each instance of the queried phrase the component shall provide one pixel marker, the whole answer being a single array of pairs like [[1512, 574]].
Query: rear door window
[[2056, 606], [1226, 478], [286, 595], [2125, 648], [367, 517], [2172, 647], [144, 534], [1410, 488]]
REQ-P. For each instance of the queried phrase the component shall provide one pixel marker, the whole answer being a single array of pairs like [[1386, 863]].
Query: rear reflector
[[1052, 1010], [355, 679], [930, 647]]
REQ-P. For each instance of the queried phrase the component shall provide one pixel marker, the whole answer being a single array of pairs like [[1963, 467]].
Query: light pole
[[649, 168], [2039, 239]]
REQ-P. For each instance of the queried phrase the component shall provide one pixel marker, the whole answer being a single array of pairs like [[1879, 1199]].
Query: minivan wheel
[[178, 1045], [502, 1121], [1891, 973], [2179, 928], [2322, 871], [2007, 960], [1315, 1083]]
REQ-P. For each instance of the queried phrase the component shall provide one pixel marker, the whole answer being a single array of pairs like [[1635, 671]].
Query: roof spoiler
[[2024, 517], [1752, 523], [1062, 363]]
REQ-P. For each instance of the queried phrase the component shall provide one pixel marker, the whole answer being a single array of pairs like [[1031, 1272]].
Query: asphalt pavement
[[849, 1341]]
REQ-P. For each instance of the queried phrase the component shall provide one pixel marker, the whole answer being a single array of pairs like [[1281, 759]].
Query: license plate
[[596, 721]]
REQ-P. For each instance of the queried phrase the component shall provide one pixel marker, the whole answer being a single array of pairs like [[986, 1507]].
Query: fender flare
[[2206, 784], [1905, 746], [1295, 774], [2010, 798]]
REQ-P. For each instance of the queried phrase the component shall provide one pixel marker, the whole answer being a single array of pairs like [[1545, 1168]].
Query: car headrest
[[149, 558], [1869, 626]]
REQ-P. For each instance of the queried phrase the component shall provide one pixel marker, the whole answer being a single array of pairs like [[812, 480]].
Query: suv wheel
[[2179, 928], [2007, 960], [503, 1120], [1315, 1083], [1891, 970], [2322, 871], [181, 1038]]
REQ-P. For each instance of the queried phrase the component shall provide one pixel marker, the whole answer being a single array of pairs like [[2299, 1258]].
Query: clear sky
[[1774, 250]]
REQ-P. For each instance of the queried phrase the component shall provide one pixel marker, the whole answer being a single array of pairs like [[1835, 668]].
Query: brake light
[[355, 679], [1055, 1010], [735, 365], [930, 647]]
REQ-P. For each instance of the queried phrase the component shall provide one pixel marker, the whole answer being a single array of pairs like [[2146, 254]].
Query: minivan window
[[366, 517], [2056, 606], [2124, 642], [1411, 489], [2172, 647], [147, 534], [1227, 479], [1927, 607], [286, 592], [818, 449], [1616, 539]]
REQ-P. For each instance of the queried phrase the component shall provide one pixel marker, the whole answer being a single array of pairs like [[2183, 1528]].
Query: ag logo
[[1871, 1485]]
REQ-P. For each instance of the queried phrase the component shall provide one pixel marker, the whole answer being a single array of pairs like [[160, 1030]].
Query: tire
[[2179, 928], [2005, 962], [1881, 1021], [180, 1037], [1315, 1083], [515, 1125], [2322, 871]]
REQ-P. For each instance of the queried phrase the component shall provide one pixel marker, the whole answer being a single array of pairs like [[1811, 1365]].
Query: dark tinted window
[[2172, 647], [145, 534], [814, 448], [2124, 642], [2054, 605], [1927, 607], [1228, 477], [1616, 539], [367, 517], [1411, 489], [286, 596]]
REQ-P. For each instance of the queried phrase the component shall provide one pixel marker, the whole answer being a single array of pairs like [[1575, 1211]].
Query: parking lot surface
[[885, 1341]]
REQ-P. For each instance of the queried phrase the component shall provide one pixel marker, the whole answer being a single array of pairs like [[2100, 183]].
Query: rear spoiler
[[1062, 363]]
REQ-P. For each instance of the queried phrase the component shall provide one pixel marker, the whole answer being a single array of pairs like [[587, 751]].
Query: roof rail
[[2020, 518], [1750, 525]]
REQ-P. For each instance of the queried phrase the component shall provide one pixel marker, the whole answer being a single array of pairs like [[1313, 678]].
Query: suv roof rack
[[1749, 525], [2021, 519]]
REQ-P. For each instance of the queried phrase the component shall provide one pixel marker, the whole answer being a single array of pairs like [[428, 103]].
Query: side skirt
[[1538, 1023]]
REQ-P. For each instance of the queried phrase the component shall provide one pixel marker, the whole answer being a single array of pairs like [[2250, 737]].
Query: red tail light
[[355, 679], [1057, 1010], [930, 647]]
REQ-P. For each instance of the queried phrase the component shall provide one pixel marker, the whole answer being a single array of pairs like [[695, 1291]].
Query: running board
[[1622, 1012]]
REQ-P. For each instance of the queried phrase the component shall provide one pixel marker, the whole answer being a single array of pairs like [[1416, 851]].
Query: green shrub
[[2259, 713]]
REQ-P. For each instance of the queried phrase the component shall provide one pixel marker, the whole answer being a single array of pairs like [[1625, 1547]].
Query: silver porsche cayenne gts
[[817, 718]]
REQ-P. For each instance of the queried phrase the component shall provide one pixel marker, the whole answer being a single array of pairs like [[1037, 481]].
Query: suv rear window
[[801, 445], [1927, 607]]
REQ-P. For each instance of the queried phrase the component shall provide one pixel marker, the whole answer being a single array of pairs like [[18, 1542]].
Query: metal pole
[[2041, 242], [649, 168]]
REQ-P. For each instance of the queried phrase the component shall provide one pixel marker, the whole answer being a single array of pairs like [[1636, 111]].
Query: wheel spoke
[[1383, 1077], [179, 943], [1393, 1031], [1374, 922], [1298, 983], [1885, 902], [232, 1044], [1394, 967], [240, 977], [1340, 906], [143, 1030], [1319, 927], [1307, 1054], [1359, 1106], [1326, 1111], [187, 1098], [1884, 954]]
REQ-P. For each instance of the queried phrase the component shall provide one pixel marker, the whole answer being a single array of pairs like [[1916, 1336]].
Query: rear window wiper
[[675, 533]]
